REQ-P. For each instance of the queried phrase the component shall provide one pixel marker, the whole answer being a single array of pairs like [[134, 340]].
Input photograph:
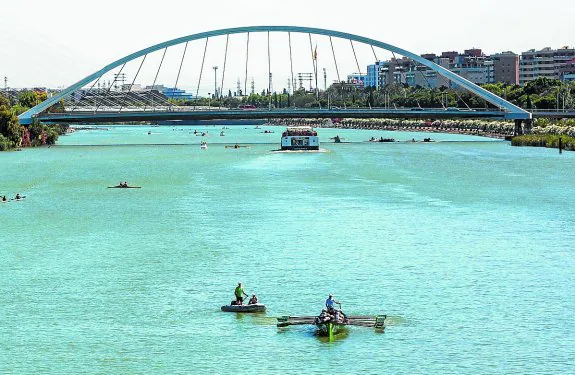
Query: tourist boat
[[204, 145], [299, 138], [254, 308]]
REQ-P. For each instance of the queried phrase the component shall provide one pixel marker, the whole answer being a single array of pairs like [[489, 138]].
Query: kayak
[[14, 199], [258, 307], [124, 187]]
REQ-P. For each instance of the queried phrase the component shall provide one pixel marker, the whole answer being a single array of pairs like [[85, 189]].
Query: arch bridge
[[131, 88]]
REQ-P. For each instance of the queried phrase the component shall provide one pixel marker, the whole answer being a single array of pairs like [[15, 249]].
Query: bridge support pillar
[[518, 128], [528, 126]]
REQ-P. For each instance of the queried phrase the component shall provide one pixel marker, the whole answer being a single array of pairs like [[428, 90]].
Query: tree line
[[12, 134], [542, 93]]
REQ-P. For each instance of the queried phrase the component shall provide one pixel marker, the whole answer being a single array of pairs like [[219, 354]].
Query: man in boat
[[4, 199], [239, 292], [17, 196], [253, 300], [330, 303]]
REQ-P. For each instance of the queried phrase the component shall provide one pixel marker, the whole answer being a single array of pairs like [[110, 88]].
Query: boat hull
[[258, 307], [329, 329], [299, 148]]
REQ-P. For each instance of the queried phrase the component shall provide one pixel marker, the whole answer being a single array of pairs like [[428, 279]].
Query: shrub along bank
[[13, 135]]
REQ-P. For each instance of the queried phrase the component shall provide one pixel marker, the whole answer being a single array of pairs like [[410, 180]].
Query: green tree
[[29, 99], [9, 126]]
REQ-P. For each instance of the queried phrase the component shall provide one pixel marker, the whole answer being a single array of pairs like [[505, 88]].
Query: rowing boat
[[331, 328], [124, 187], [14, 199], [255, 308]]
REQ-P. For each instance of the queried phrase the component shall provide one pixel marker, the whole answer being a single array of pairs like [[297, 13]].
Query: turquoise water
[[467, 244]]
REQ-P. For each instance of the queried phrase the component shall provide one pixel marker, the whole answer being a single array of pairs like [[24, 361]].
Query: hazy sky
[[56, 43]]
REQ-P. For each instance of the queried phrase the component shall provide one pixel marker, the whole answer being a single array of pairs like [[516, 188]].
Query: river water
[[465, 243]]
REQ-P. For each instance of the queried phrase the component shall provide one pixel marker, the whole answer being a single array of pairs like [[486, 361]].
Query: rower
[[239, 292], [4, 199], [330, 302], [337, 315], [17, 196], [253, 300]]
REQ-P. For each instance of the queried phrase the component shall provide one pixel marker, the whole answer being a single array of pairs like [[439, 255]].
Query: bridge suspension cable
[[180, 69], [247, 55], [136, 77], [224, 70], [291, 63], [202, 67]]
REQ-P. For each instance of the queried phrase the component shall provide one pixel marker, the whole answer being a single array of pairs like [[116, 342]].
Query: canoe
[[14, 199], [124, 187], [258, 307]]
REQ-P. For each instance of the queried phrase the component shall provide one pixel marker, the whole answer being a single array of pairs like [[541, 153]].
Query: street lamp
[[209, 99]]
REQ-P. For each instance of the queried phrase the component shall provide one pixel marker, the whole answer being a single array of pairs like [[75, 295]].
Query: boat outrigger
[[330, 325]]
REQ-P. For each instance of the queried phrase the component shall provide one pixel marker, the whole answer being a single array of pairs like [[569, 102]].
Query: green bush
[[544, 140], [5, 143]]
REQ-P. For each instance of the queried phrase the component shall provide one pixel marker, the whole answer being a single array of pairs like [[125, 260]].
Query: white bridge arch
[[511, 111]]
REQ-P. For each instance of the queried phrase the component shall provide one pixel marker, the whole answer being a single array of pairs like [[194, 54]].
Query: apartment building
[[506, 67], [544, 63]]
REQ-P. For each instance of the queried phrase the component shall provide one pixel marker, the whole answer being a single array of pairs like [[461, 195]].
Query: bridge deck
[[128, 116]]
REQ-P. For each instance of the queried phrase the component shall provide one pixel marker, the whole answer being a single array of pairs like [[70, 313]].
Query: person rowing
[[330, 303], [18, 196], [239, 292], [4, 199]]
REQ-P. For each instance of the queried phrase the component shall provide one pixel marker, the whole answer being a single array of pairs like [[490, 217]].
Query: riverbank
[[490, 129], [545, 140]]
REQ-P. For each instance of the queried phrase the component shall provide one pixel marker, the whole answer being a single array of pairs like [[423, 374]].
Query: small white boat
[[255, 308], [204, 145]]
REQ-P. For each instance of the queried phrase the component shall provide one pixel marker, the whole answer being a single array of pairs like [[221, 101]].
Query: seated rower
[[17, 196], [324, 317], [253, 300], [4, 199]]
